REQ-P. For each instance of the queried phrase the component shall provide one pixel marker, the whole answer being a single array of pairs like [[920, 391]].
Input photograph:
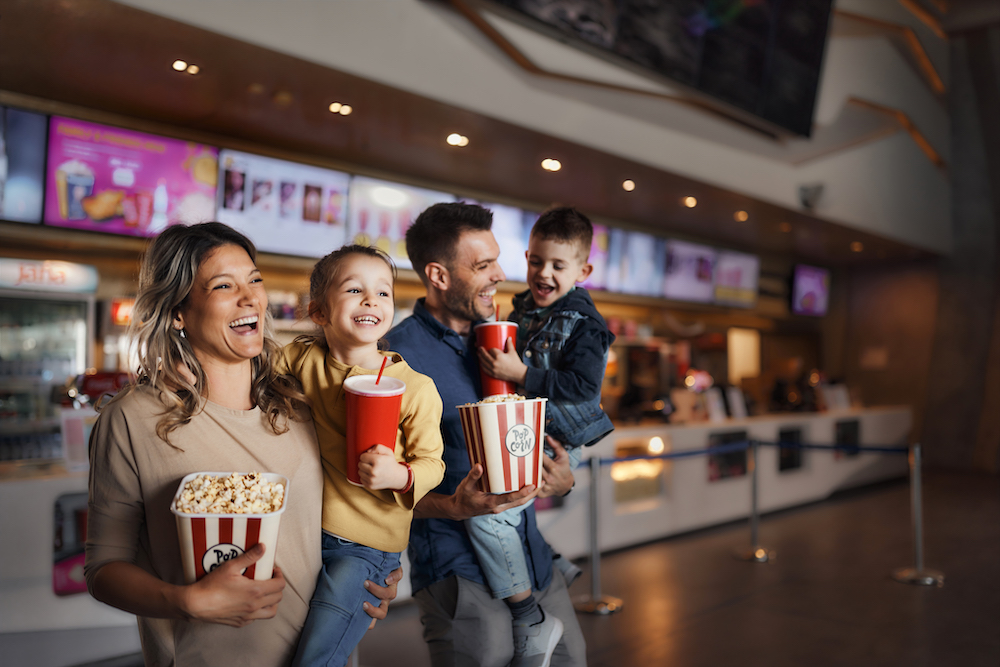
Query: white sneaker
[[534, 644]]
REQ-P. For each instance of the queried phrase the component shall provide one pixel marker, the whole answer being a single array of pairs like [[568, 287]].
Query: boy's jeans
[[336, 620], [498, 547]]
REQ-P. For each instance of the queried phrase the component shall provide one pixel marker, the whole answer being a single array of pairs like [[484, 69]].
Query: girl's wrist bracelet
[[409, 479]]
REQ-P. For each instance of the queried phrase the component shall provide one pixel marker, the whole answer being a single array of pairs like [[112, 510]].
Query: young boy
[[564, 343]]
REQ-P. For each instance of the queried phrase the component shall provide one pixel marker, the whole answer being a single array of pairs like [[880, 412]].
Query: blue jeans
[[337, 621], [498, 547]]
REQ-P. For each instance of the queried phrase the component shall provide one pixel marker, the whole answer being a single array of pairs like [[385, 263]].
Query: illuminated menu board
[[598, 278], [642, 264], [810, 290], [283, 207], [689, 274], [512, 236], [113, 180], [736, 277], [380, 212], [22, 164]]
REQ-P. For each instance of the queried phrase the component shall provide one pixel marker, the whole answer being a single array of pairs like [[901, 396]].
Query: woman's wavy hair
[[325, 272], [166, 277]]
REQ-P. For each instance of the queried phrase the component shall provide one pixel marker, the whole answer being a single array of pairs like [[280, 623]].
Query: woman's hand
[[386, 594], [225, 596], [503, 364], [379, 469]]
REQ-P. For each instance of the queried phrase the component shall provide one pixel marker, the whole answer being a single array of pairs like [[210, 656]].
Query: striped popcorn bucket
[[506, 438], [209, 540]]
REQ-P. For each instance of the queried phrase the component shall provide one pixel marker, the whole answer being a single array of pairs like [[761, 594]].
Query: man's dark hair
[[435, 233], [565, 225]]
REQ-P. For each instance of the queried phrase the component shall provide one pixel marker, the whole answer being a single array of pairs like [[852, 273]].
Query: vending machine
[[46, 328]]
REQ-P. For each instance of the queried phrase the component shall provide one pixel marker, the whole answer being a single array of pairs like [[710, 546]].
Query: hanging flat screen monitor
[[690, 271], [22, 164], [381, 212], [108, 179], [599, 246], [736, 277], [284, 207], [810, 290], [642, 264]]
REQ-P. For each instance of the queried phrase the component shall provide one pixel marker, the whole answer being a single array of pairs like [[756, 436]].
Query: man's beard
[[461, 301]]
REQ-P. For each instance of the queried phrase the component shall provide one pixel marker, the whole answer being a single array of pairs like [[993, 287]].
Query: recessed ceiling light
[[857, 246], [690, 202], [193, 69], [180, 65], [255, 88], [335, 107], [785, 227], [346, 109], [549, 164], [628, 185], [741, 216], [456, 139]]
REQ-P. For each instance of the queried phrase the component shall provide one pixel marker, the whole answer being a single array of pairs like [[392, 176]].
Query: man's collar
[[432, 323]]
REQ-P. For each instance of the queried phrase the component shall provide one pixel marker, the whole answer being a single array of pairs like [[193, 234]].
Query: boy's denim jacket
[[566, 359]]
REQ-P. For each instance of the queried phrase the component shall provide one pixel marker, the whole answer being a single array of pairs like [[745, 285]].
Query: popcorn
[[235, 494], [500, 398]]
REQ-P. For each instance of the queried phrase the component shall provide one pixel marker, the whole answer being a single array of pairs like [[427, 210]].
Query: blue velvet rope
[[740, 446]]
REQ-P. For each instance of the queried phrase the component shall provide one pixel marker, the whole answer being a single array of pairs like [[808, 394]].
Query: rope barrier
[[596, 603]]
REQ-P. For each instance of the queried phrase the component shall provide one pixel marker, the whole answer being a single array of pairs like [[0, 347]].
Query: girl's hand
[[225, 596], [379, 469], [503, 364]]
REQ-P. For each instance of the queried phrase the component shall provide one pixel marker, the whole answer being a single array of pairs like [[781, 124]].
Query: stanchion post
[[596, 603], [917, 575], [755, 553]]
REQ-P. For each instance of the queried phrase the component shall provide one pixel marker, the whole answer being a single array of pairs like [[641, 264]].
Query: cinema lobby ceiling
[[113, 63]]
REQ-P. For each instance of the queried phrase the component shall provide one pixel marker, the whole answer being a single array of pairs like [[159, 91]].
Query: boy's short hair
[[565, 225], [434, 234]]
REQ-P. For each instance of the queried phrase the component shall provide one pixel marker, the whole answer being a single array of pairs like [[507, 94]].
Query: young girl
[[364, 527]]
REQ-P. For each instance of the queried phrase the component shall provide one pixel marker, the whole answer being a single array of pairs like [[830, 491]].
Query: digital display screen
[[810, 290], [643, 264], [22, 164], [690, 272], [736, 277], [598, 278], [380, 212], [283, 207], [119, 181]]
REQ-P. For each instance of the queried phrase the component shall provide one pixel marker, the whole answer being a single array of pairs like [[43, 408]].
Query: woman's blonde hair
[[166, 277]]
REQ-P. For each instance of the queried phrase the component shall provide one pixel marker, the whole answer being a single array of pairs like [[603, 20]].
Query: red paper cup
[[506, 438], [209, 540], [372, 416], [493, 335]]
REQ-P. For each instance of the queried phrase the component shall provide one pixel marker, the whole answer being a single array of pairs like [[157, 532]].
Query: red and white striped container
[[209, 540], [507, 439]]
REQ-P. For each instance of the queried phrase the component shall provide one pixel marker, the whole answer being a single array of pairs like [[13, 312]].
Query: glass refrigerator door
[[44, 340]]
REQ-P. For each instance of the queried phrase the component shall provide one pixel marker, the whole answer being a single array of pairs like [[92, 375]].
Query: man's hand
[[468, 501], [386, 594], [503, 364], [557, 476], [379, 469]]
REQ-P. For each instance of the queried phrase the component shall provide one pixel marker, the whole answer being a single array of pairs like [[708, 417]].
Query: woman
[[207, 398]]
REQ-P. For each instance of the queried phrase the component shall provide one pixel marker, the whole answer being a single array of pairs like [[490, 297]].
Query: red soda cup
[[494, 335], [372, 416]]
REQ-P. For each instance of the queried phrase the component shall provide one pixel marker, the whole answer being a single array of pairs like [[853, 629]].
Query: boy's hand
[[503, 364], [379, 469]]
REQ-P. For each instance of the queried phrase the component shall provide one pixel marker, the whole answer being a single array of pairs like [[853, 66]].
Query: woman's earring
[[183, 334]]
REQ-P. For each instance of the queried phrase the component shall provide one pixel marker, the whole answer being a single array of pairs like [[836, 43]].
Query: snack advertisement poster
[[119, 181]]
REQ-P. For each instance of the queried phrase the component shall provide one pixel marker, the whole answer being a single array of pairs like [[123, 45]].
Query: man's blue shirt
[[440, 548]]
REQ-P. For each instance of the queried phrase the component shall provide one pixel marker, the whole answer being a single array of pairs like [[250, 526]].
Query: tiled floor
[[827, 600]]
